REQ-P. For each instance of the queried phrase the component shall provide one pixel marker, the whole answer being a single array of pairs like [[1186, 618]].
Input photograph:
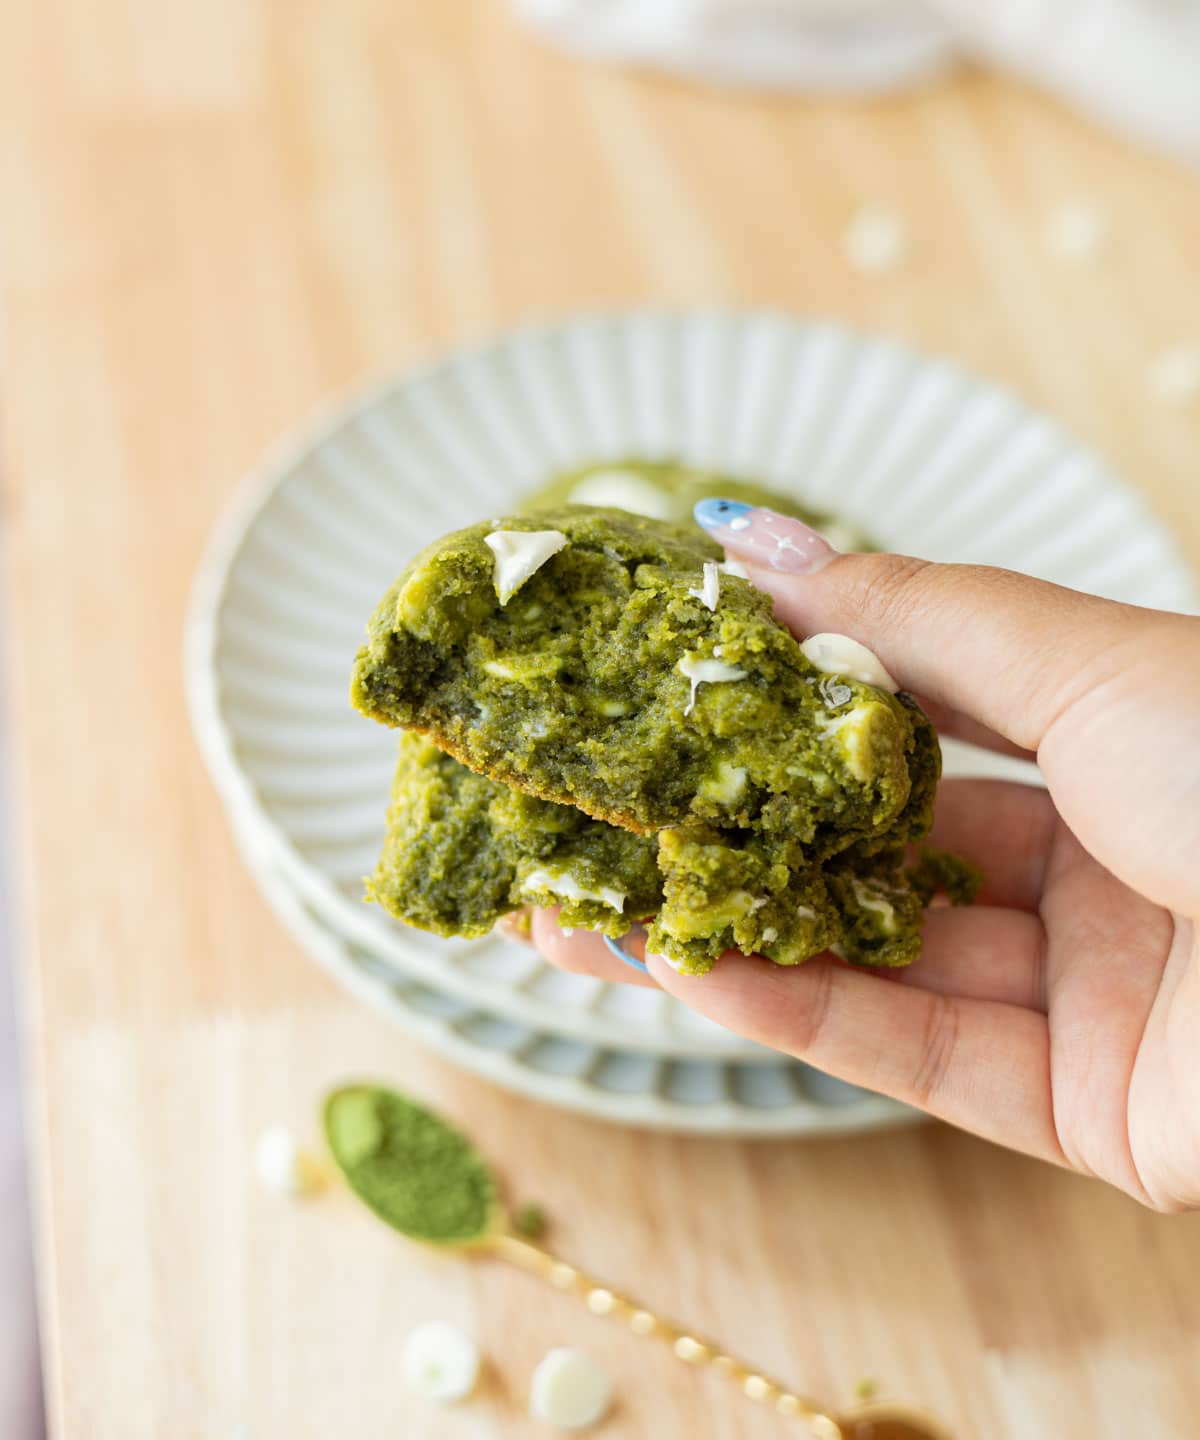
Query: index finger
[[981, 1064], [1011, 652]]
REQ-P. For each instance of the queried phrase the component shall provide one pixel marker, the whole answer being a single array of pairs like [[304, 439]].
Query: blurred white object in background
[[1133, 64], [1076, 230], [875, 239], [855, 45]]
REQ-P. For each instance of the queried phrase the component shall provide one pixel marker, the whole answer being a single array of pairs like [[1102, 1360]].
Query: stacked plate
[[919, 454]]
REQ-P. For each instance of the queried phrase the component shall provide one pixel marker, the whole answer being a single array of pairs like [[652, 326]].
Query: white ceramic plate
[[923, 456], [697, 1094]]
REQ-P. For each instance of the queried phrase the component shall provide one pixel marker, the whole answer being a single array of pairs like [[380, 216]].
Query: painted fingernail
[[764, 537], [716, 514], [615, 947]]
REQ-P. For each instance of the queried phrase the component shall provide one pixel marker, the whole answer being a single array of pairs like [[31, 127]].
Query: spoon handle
[[687, 1346]]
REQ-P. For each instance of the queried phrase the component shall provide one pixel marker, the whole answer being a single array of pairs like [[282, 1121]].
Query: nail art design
[[764, 537], [713, 514]]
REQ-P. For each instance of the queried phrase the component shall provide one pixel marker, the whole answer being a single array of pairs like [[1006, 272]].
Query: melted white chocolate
[[566, 887], [706, 672]]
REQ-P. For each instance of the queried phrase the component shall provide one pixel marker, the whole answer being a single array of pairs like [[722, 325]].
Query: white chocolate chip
[[520, 554], [839, 655], [734, 567], [566, 887], [1175, 374], [875, 239], [709, 592], [706, 672], [283, 1166], [872, 900], [770, 935], [853, 728], [440, 1362], [625, 491], [569, 1390], [726, 785], [522, 668], [1076, 230]]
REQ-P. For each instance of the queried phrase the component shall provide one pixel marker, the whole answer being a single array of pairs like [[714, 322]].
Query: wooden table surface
[[211, 215]]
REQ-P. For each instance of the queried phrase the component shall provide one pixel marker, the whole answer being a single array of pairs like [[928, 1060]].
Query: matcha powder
[[412, 1169]]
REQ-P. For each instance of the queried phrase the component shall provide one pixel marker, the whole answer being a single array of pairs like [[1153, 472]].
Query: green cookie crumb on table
[[585, 662]]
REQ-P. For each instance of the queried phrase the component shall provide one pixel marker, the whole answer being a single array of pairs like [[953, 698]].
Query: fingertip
[[585, 952], [515, 927]]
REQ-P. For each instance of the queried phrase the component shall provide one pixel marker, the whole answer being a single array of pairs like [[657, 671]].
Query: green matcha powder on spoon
[[426, 1180]]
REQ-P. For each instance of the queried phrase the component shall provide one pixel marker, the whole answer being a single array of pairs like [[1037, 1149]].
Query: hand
[[1061, 1014]]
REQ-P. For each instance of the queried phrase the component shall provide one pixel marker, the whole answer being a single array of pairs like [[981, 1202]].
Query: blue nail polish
[[623, 955], [721, 514]]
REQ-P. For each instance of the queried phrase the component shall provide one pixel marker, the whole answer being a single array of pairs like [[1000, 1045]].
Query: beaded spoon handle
[[690, 1348]]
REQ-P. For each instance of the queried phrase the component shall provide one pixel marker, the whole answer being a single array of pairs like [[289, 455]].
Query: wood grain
[[210, 216]]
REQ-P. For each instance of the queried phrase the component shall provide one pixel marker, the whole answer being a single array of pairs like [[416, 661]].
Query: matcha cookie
[[462, 850], [599, 662], [615, 680]]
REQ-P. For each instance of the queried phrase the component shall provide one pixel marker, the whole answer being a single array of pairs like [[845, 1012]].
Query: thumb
[[1107, 694], [1014, 653]]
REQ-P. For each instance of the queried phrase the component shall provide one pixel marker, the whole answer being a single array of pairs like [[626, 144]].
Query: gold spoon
[[425, 1178]]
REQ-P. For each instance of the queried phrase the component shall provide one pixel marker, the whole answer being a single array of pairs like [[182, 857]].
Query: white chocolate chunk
[[839, 655], [522, 668], [734, 567], [709, 592], [875, 239], [853, 729], [520, 554], [283, 1166], [872, 900], [706, 672], [566, 887], [726, 785], [440, 1362], [569, 1390], [1175, 374], [1076, 230], [624, 490]]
